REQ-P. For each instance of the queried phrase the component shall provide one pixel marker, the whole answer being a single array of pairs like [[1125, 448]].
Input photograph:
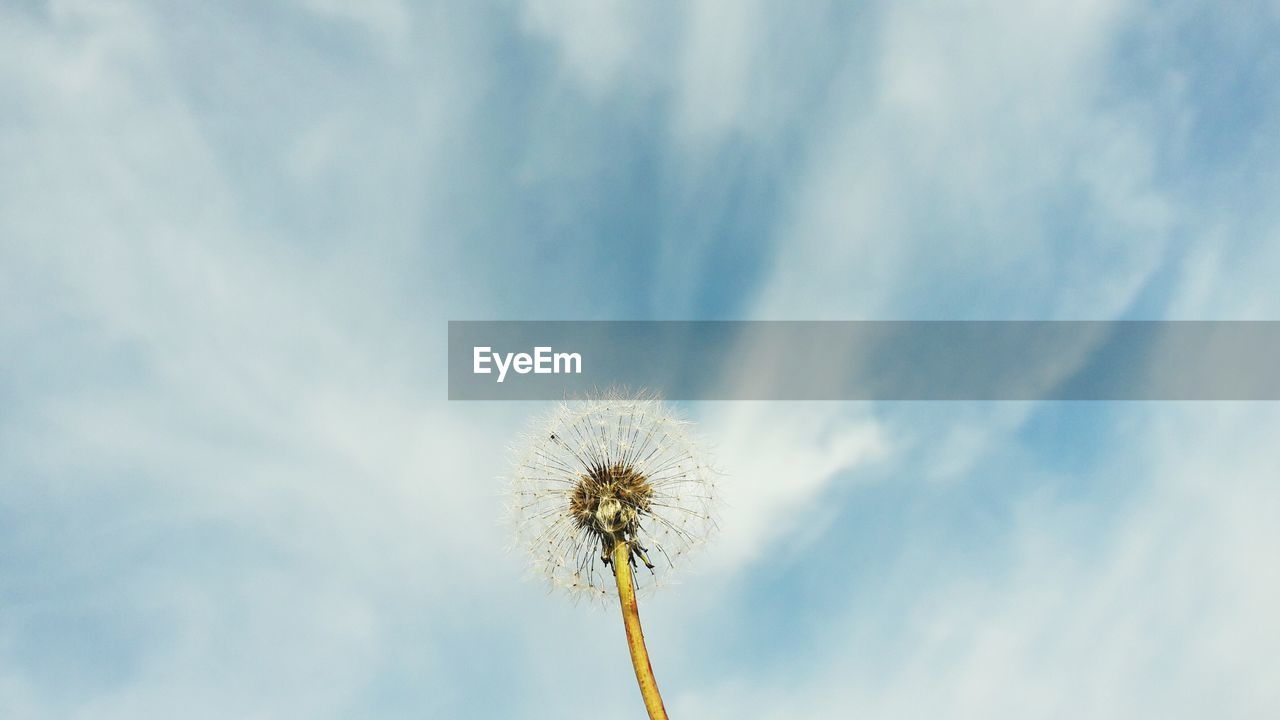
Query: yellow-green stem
[[635, 636]]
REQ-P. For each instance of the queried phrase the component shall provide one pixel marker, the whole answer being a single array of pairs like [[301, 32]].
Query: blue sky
[[231, 235]]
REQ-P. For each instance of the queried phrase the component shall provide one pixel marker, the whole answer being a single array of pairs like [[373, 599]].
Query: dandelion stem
[[635, 636]]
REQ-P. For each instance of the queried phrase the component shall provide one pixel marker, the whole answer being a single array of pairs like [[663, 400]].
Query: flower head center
[[610, 501]]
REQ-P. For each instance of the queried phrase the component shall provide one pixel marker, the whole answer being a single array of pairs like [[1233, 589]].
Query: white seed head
[[608, 469]]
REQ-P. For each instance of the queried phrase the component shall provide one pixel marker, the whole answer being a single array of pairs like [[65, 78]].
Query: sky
[[231, 235]]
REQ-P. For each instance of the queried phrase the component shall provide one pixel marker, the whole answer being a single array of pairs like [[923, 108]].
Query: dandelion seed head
[[610, 468]]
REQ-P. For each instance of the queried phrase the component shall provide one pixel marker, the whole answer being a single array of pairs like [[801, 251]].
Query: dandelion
[[607, 486]]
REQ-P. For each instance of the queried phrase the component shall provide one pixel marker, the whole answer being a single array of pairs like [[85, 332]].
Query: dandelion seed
[[610, 494]]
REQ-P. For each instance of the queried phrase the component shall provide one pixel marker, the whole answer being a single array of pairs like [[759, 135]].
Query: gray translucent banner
[[1033, 360]]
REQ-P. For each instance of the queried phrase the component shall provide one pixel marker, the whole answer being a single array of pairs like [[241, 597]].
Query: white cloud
[[600, 43], [387, 20], [980, 116], [986, 131], [720, 57], [210, 441], [779, 459], [1167, 611]]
